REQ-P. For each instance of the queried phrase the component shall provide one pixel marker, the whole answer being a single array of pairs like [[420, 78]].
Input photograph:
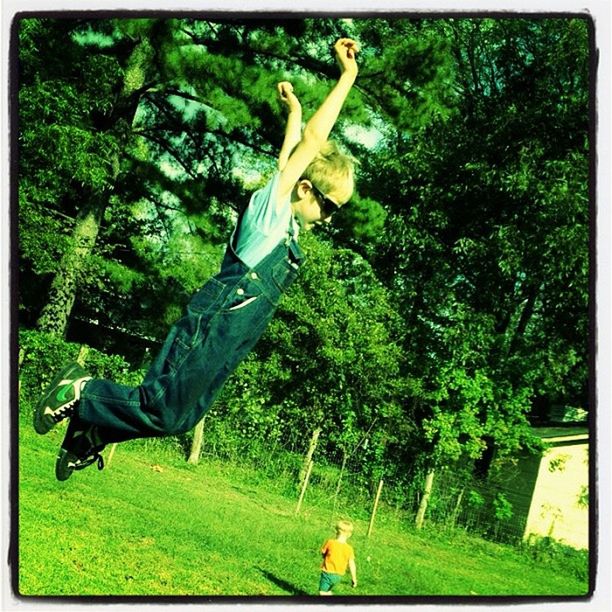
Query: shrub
[[547, 551], [41, 354], [502, 507]]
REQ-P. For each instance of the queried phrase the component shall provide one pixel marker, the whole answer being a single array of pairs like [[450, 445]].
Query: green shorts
[[327, 581]]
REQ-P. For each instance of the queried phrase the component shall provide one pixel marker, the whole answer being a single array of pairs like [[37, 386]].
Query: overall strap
[[288, 242], [236, 232]]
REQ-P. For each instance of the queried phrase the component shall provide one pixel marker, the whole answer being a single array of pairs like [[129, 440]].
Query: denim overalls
[[222, 323]]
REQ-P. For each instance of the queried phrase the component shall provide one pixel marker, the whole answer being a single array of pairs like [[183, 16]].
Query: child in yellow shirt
[[337, 555]]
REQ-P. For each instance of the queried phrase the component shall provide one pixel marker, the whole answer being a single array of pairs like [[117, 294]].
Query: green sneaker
[[60, 398], [81, 447]]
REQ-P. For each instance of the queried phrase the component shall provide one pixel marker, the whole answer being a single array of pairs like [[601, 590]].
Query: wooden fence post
[[420, 517], [457, 508], [196, 443], [311, 449], [110, 455], [380, 485], [304, 485]]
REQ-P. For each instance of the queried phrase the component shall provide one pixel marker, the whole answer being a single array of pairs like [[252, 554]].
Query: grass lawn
[[150, 524]]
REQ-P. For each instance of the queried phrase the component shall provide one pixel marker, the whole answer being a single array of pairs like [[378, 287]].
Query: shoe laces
[[95, 456], [84, 445], [64, 411]]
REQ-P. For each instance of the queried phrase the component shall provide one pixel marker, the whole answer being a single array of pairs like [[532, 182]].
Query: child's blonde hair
[[332, 172], [345, 527]]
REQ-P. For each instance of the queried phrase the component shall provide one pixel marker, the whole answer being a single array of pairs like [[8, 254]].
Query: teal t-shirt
[[264, 224]]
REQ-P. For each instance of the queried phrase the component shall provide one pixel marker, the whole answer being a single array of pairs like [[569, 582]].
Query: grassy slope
[[150, 525]]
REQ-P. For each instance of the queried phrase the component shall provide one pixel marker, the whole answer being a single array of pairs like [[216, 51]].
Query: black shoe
[[81, 447], [60, 398]]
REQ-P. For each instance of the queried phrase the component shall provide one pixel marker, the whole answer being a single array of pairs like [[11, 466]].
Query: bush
[[41, 354], [546, 551]]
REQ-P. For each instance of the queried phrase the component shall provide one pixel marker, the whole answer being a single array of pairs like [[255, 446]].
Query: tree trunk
[[196, 444], [420, 517], [526, 315], [54, 316], [311, 449], [82, 356]]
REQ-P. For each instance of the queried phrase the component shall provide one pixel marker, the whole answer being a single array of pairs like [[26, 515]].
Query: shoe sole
[[41, 424], [64, 464]]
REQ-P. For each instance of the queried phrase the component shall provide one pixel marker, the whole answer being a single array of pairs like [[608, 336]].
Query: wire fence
[[342, 485], [494, 507]]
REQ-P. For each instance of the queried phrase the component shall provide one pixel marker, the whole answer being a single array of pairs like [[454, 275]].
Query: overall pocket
[[244, 296], [183, 337], [186, 333], [207, 297]]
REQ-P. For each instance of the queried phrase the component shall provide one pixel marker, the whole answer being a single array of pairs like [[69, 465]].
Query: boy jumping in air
[[337, 555], [225, 318]]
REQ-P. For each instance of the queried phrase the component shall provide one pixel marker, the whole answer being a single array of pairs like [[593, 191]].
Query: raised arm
[[321, 123], [293, 130]]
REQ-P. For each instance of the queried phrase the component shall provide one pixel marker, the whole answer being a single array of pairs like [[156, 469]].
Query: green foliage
[[583, 498], [453, 292], [339, 330], [502, 507], [361, 225], [551, 553], [474, 498], [39, 229], [408, 69], [41, 354], [483, 236], [328, 359]]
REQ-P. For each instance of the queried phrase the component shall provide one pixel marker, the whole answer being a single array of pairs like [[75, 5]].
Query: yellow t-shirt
[[336, 556]]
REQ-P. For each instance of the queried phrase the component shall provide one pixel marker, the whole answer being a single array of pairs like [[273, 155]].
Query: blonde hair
[[344, 527], [332, 172]]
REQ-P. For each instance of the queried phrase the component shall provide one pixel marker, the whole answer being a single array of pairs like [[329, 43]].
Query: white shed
[[559, 506]]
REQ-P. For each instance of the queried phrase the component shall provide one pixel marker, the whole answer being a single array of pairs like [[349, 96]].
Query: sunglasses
[[328, 207]]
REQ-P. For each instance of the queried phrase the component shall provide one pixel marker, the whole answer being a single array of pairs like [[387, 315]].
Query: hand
[[287, 97], [346, 49]]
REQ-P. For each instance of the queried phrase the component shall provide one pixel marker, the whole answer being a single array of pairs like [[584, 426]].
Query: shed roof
[[562, 434]]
